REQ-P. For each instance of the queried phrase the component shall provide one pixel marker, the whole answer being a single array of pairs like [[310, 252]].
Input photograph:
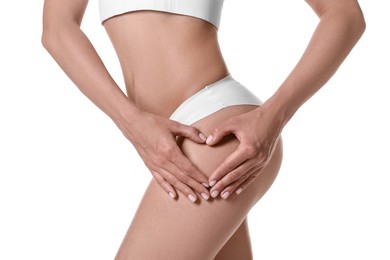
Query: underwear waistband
[[223, 93]]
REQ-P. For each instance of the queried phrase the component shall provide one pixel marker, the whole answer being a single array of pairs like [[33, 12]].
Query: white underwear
[[223, 93]]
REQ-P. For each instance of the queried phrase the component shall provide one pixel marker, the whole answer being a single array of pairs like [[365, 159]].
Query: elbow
[[52, 38], [345, 13], [45, 40], [357, 22], [47, 34], [48, 39], [357, 27], [354, 17], [56, 37], [362, 25], [349, 17], [53, 35]]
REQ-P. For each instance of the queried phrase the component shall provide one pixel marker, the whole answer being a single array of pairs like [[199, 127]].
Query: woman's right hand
[[154, 138]]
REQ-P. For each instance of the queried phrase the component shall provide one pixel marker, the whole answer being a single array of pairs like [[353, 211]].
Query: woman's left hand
[[258, 132]]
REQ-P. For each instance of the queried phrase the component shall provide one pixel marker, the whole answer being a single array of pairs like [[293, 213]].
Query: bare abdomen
[[165, 58]]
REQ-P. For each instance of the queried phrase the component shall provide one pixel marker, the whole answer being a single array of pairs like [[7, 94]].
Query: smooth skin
[[340, 27], [166, 58], [181, 230], [146, 127]]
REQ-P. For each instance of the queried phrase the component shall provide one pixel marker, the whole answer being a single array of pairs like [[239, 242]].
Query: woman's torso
[[165, 57]]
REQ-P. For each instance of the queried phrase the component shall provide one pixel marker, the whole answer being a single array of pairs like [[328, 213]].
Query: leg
[[238, 246], [167, 229]]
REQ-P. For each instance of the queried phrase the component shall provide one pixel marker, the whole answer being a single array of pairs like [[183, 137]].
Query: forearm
[[74, 53], [336, 34]]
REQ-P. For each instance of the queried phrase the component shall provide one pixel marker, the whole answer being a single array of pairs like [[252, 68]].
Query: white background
[[70, 182]]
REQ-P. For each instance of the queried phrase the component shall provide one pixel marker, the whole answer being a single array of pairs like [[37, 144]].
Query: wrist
[[281, 107], [125, 117]]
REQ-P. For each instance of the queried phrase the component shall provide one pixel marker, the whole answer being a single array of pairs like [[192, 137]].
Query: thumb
[[219, 133], [189, 131]]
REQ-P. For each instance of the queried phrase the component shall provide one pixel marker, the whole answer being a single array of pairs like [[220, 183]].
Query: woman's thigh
[[238, 246], [163, 228]]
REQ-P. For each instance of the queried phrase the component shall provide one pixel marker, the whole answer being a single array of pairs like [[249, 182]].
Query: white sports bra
[[208, 10]]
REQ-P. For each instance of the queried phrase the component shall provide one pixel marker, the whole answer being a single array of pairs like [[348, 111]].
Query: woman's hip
[[223, 93]]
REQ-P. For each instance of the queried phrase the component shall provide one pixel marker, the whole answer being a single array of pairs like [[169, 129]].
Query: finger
[[248, 181], [173, 161], [236, 186], [170, 153], [185, 176], [226, 192], [220, 132], [237, 175], [184, 189], [229, 164], [164, 184], [188, 131], [187, 167]]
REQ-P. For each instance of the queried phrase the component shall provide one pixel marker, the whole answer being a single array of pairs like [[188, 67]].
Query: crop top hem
[[208, 10]]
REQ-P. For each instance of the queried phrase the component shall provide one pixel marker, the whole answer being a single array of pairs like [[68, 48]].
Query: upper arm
[[62, 12]]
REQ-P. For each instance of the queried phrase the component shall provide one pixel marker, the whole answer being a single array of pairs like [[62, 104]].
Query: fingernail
[[191, 198], [205, 184], [171, 195], [225, 195], [212, 183], [202, 136], [205, 196], [215, 193], [239, 191], [209, 139]]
